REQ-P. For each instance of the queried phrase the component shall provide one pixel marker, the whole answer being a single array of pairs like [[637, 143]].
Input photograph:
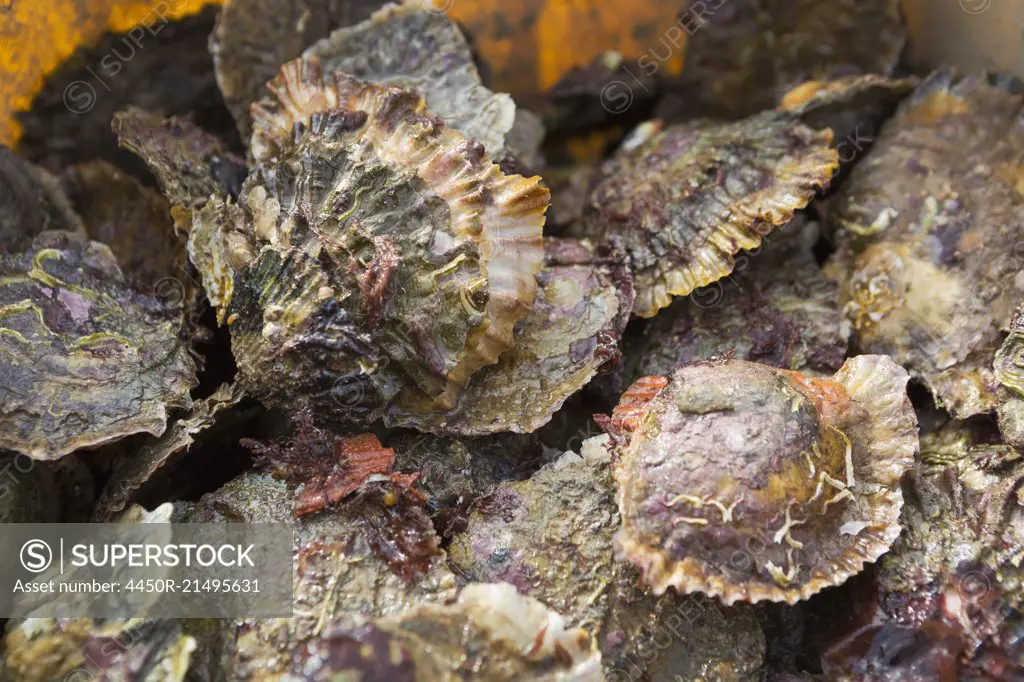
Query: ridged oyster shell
[[686, 199], [1008, 368], [31, 201], [376, 256], [751, 483]]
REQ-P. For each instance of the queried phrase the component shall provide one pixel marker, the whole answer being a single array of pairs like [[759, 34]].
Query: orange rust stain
[[36, 36]]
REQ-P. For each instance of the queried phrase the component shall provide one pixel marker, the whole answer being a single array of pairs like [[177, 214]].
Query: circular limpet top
[[753, 483]]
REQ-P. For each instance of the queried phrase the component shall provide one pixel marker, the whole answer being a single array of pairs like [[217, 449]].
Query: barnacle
[[752, 483], [31, 201], [411, 47], [1009, 372], [376, 257], [775, 308], [86, 360], [551, 537], [743, 55], [584, 298], [929, 227], [489, 634], [253, 38], [348, 562], [686, 199]]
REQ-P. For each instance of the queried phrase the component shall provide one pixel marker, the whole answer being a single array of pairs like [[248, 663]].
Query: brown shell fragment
[[929, 227], [31, 201], [253, 38], [751, 483], [190, 164], [686, 199], [489, 634], [551, 537], [377, 256], [584, 298], [743, 55], [776, 308], [414, 48], [85, 360]]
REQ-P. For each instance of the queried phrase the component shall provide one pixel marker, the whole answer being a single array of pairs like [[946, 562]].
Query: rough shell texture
[[377, 257], [685, 200], [341, 571], [489, 634], [551, 537], [85, 359], [1009, 372], [31, 201], [414, 48], [190, 164], [584, 298], [743, 55], [775, 308], [752, 483], [253, 38], [930, 228]]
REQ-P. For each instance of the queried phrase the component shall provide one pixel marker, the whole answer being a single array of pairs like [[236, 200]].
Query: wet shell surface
[[686, 199], [31, 201], [1009, 372], [929, 228], [584, 297], [86, 360], [751, 483], [490, 633], [376, 256]]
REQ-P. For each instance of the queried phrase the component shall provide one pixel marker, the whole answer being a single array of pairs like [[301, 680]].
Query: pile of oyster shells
[[642, 416]]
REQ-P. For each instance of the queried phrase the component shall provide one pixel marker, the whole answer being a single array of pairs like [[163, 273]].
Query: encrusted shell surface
[[415, 48], [31, 201], [775, 308], [551, 537], [686, 199], [751, 483], [584, 298], [86, 360], [253, 38], [377, 255], [742, 55], [489, 634], [1008, 368], [930, 227], [340, 571]]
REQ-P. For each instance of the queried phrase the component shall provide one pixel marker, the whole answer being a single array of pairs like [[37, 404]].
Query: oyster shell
[[1009, 372], [31, 201], [414, 48], [190, 164], [742, 55], [686, 199], [751, 483], [775, 308], [584, 298], [377, 257], [85, 359], [490, 634], [342, 568], [551, 537], [254, 38], [928, 229]]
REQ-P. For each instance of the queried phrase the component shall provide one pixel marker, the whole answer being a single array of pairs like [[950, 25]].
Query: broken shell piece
[[190, 164], [489, 634], [751, 483], [31, 201], [1009, 372], [583, 302], [686, 199], [253, 38], [742, 55], [929, 228], [551, 536], [775, 308], [376, 257], [85, 359], [414, 48]]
